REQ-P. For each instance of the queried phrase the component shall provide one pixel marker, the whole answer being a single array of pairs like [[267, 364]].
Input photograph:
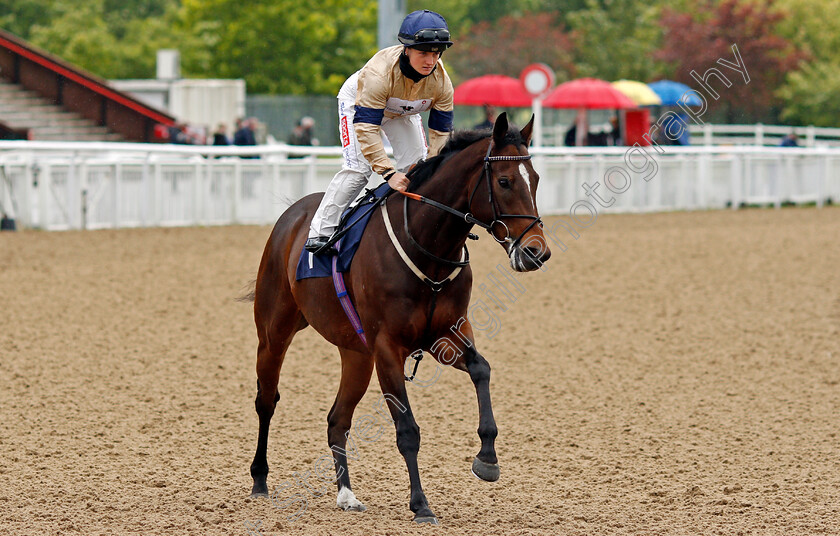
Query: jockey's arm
[[371, 99], [441, 118]]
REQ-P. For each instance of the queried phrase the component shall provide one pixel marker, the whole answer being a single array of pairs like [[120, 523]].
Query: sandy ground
[[667, 374]]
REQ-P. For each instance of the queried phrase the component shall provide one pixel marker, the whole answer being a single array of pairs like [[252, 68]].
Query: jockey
[[385, 97]]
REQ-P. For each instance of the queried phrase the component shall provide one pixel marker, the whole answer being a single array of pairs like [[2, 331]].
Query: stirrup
[[319, 245]]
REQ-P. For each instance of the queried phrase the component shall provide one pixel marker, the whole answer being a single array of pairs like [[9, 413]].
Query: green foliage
[[460, 15], [616, 39], [791, 48], [810, 92], [813, 25], [98, 35], [120, 14], [282, 46], [22, 16], [80, 36], [810, 95]]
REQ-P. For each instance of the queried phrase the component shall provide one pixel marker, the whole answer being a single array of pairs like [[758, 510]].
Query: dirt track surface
[[667, 374]]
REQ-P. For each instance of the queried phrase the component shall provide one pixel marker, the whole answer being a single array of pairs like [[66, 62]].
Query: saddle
[[346, 238]]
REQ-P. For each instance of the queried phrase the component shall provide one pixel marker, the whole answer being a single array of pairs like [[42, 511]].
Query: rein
[[468, 217], [436, 286]]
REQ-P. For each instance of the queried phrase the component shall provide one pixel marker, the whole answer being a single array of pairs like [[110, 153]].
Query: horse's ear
[[500, 129], [527, 132]]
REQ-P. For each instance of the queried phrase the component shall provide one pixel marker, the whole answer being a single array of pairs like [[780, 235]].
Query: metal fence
[[58, 186]]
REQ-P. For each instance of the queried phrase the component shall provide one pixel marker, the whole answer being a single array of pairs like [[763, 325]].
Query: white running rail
[[56, 186]]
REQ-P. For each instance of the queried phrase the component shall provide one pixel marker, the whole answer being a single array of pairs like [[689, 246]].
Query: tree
[[95, 36], [810, 93], [616, 39], [281, 46], [694, 42], [22, 16], [511, 43], [460, 15]]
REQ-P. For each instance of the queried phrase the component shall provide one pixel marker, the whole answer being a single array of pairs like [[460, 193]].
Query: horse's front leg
[[389, 370], [460, 352], [485, 465]]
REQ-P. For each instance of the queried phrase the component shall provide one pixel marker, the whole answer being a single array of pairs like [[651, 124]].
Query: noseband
[[497, 221], [497, 214]]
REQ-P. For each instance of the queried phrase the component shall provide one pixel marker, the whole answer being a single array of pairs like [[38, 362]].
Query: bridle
[[437, 286], [469, 218], [488, 174]]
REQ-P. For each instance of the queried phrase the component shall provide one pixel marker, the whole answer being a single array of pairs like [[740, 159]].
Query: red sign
[[537, 79]]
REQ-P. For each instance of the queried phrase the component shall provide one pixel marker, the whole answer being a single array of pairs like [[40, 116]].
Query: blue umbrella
[[671, 93]]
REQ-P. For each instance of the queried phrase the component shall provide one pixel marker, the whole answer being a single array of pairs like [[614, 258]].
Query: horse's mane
[[458, 141]]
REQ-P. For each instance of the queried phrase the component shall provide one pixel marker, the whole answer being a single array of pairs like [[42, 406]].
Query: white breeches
[[406, 136]]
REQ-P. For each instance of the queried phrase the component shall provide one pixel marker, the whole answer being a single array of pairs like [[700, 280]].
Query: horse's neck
[[438, 231]]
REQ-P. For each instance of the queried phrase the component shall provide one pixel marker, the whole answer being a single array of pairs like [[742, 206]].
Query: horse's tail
[[250, 292]]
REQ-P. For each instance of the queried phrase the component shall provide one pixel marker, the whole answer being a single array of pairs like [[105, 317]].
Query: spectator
[[220, 137], [790, 140], [673, 125], [196, 135], [489, 118], [302, 134], [570, 139], [245, 133], [614, 135], [7, 223], [244, 136], [178, 134]]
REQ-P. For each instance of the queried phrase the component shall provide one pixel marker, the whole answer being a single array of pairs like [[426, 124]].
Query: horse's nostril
[[538, 254]]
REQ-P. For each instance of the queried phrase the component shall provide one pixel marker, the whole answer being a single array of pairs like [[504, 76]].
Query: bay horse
[[401, 291]]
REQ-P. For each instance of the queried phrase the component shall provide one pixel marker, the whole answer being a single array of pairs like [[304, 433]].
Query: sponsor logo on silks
[[407, 107], [345, 134]]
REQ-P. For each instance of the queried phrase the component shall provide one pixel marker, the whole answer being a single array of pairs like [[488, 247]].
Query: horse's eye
[[504, 182]]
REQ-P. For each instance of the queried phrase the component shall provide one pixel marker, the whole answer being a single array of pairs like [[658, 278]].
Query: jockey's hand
[[398, 181]]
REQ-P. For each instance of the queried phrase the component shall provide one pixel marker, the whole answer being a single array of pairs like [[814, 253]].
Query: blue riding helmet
[[425, 30]]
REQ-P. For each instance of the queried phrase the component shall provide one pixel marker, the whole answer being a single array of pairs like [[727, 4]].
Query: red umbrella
[[587, 93], [495, 89]]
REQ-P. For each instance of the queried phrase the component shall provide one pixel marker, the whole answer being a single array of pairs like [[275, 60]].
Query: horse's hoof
[[260, 489], [431, 520], [488, 472], [348, 502]]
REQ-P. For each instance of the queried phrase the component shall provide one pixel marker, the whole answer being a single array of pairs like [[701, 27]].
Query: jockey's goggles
[[431, 34]]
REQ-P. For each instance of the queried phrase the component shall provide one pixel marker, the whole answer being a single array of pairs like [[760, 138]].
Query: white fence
[[728, 135], [762, 135], [58, 186]]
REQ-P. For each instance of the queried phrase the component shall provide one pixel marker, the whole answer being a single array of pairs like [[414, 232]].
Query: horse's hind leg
[[356, 369], [270, 354]]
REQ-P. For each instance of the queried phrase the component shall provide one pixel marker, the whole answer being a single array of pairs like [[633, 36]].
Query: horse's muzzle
[[527, 259]]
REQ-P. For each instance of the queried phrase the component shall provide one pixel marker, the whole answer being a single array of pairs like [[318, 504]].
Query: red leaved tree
[[696, 41], [509, 44]]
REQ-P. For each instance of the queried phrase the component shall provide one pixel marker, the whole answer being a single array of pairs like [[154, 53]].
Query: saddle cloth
[[356, 218]]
